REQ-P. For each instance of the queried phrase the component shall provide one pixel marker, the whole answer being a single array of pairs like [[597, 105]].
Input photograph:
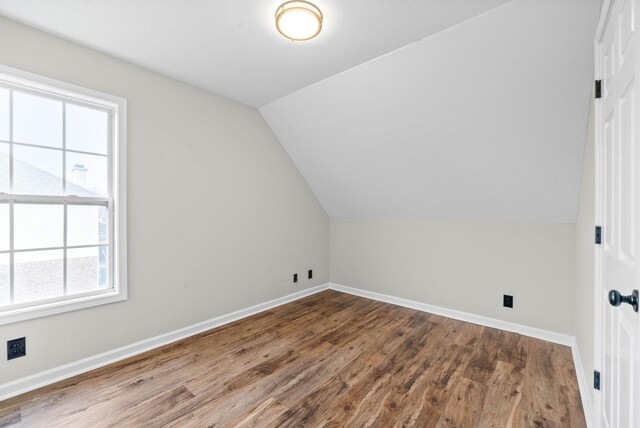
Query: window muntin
[[60, 235]]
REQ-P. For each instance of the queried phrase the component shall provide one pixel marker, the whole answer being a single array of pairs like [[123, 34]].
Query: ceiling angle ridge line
[[391, 52]]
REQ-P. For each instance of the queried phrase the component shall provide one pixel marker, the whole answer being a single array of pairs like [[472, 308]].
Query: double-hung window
[[62, 197]]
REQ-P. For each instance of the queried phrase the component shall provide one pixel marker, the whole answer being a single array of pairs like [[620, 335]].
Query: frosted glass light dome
[[298, 20]]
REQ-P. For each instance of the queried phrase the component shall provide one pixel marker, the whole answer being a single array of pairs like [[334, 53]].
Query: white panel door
[[618, 181]]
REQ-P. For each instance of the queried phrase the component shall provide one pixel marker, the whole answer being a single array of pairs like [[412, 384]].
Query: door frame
[[598, 329]]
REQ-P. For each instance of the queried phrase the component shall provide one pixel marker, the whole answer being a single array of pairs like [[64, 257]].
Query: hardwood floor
[[330, 359]]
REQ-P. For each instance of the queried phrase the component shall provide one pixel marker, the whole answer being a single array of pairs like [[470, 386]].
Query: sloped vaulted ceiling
[[473, 109], [231, 47], [485, 120]]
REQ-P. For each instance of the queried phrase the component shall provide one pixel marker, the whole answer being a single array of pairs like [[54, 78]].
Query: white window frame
[[116, 200]]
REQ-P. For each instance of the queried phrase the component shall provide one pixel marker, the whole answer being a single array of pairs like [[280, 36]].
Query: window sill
[[38, 310]]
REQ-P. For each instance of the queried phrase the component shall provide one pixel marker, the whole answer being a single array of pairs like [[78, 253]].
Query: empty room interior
[[340, 213]]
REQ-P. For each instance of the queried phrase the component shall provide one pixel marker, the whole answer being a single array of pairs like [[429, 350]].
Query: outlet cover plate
[[507, 301], [16, 348]]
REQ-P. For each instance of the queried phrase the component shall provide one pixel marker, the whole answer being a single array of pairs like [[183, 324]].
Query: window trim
[[31, 82]]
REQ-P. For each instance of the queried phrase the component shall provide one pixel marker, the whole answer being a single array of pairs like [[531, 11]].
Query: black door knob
[[616, 299]]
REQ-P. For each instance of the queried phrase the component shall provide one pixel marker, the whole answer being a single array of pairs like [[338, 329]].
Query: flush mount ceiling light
[[298, 20]]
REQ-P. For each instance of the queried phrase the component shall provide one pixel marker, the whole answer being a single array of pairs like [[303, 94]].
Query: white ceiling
[[231, 47], [485, 121], [472, 109]]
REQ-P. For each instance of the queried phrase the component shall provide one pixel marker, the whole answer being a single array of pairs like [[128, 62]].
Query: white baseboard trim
[[586, 387], [38, 380], [549, 336]]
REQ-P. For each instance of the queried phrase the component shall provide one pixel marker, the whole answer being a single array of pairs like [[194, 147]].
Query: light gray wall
[[463, 265], [219, 217], [585, 254]]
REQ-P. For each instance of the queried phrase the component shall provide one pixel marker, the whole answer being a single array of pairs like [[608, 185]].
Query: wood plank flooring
[[331, 359]]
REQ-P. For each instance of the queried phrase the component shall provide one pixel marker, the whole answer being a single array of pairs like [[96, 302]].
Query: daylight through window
[[59, 181]]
